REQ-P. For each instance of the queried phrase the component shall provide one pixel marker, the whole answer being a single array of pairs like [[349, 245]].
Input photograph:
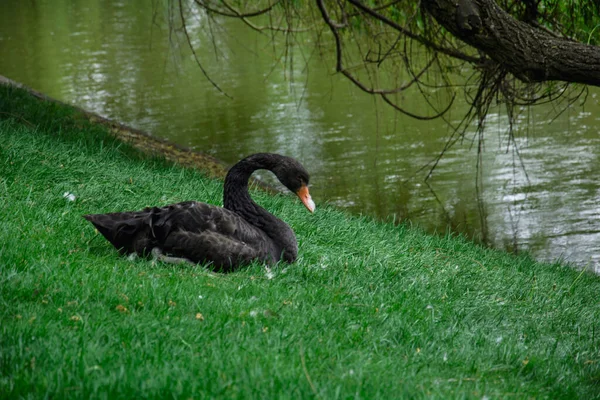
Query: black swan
[[226, 237]]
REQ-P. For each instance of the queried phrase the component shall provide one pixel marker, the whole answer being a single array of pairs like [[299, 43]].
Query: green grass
[[370, 310]]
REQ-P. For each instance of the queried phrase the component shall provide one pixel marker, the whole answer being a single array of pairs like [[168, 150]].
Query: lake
[[120, 60]]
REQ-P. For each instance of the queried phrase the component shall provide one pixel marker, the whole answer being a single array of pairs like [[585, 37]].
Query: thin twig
[[236, 14], [418, 38], [189, 41], [19, 117]]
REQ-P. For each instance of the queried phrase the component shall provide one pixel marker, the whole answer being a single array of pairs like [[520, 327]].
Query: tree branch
[[433, 46], [532, 55], [189, 42], [334, 27], [235, 13]]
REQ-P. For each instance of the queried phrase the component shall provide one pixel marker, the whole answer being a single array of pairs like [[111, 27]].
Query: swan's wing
[[223, 252], [196, 231], [196, 217], [204, 232]]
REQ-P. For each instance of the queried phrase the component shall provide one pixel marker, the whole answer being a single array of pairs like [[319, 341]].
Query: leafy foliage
[[573, 18]]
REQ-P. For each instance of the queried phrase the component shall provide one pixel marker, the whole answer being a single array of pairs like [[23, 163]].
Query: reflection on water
[[120, 60]]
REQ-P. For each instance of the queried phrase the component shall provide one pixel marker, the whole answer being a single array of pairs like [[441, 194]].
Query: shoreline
[[140, 139]]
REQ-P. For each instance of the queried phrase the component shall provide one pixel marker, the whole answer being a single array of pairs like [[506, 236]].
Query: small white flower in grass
[[253, 313], [69, 196], [200, 296], [445, 357], [485, 398], [269, 274], [499, 339]]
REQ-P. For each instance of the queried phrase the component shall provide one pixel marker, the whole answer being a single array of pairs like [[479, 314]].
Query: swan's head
[[293, 175]]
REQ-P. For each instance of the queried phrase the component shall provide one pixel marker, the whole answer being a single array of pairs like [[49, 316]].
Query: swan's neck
[[237, 199]]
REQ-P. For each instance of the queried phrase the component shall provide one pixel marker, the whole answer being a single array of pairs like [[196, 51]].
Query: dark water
[[119, 59]]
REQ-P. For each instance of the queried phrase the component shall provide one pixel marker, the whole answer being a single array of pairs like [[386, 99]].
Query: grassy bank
[[370, 310]]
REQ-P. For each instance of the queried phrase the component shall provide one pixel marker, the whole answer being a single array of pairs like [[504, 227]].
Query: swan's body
[[226, 237]]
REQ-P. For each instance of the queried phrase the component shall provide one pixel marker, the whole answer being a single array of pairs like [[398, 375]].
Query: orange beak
[[305, 198]]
